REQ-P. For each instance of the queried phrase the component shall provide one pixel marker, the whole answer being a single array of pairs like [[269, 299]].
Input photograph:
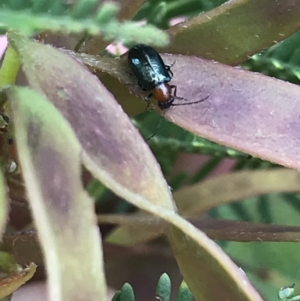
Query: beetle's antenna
[[157, 127], [189, 103]]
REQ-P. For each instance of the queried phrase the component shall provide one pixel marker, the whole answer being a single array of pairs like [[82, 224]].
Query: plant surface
[[75, 130]]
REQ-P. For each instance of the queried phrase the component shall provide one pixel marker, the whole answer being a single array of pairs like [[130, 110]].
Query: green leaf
[[281, 60], [174, 138], [184, 294], [116, 296], [127, 293], [10, 68], [80, 17], [163, 290], [8, 263]]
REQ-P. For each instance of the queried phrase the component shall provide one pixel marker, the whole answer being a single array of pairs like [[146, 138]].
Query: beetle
[[154, 75]]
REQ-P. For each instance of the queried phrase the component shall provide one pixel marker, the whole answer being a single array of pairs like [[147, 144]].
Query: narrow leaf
[[235, 30], [163, 290], [199, 198], [12, 282], [113, 149], [208, 271], [184, 293], [250, 112], [126, 293], [62, 210]]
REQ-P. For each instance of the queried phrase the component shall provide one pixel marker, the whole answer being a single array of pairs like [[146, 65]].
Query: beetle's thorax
[[162, 92]]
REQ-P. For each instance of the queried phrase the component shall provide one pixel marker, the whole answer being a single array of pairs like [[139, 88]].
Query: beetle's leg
[[148, 97], [175, 92], [169, 70], [157, 127], [168, 67]]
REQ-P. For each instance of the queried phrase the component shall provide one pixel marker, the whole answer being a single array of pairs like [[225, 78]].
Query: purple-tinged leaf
[[235, 30], [111, 72], [113, 149], [63, 212], [247, 111], [250, 112]]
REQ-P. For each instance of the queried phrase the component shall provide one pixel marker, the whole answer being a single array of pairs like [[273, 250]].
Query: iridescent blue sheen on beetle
[[154, 75]]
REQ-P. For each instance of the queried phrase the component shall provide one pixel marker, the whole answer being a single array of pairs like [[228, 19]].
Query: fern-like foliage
[[163, 291], [76, 16], [177, 139], [281, 61]]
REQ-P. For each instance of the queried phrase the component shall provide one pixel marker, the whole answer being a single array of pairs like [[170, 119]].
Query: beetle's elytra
[[154, 75]]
